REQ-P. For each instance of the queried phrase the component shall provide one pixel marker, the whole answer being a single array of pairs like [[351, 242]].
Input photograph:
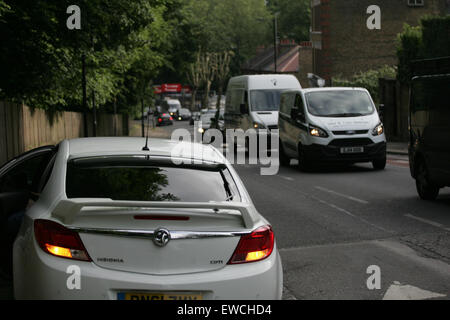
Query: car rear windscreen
[[149, 183]]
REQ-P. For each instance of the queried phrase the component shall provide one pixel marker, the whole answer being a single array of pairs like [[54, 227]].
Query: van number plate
[[352, 150]]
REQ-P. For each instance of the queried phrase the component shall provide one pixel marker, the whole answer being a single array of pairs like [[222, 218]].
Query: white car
[[115, 222]]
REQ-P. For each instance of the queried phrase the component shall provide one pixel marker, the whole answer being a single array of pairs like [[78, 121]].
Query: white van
[[330, 125], [172, 106], [252, 101]]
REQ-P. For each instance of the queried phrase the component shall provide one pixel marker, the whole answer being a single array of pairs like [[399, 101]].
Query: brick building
[[343, 44]]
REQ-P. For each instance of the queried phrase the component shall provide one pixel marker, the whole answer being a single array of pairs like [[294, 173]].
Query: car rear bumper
[[331, 153], [38, 275]]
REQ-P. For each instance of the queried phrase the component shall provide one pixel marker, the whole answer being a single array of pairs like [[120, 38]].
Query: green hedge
[[429, 40], [368, 80]]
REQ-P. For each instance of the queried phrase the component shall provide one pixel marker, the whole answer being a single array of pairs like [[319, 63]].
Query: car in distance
[[195, 117], [205, 120], [137, 224], [184, 114], [330, 125], [429, 123], [164, 119]]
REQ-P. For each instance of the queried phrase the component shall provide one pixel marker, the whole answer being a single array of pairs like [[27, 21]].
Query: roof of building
[[263, 62]]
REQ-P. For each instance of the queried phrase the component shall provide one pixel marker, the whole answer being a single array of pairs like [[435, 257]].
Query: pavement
[[399, 148]]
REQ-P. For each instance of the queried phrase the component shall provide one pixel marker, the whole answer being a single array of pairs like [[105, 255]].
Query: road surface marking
[[350, 214], [286, 178], [397, 291], [342, 195], [431, 223]]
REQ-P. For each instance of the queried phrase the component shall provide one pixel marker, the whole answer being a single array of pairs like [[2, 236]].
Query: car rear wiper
[[226, 185]]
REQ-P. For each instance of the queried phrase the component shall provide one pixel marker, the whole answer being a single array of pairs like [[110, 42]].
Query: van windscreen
[[265, 100], [335, 103]]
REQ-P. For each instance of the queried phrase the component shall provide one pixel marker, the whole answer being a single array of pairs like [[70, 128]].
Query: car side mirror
[[243, 108]]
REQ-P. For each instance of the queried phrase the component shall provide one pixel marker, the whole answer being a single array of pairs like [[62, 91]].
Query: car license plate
[[158, 296], [352, 150]]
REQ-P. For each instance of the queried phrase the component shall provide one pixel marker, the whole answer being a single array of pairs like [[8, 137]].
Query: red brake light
[[57, 240], [159, 120], [171, 118], [254, 247]]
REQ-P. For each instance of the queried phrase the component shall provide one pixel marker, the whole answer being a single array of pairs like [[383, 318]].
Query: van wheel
[[379, 164], [285, 161], [303, 162], [426, 189]]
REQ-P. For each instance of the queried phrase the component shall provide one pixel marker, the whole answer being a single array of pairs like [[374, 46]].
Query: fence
[[395, 98], [22, 128]]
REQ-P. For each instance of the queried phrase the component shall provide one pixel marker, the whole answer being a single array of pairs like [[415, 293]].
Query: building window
[[416, 3]]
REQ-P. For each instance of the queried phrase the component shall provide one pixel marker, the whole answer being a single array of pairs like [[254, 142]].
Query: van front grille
[[349, 132], [353, 142]]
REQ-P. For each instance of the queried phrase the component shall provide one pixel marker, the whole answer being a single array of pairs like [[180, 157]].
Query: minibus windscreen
[[334, 103]]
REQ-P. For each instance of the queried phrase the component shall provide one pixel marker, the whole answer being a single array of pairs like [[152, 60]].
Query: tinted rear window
[[149, 183]]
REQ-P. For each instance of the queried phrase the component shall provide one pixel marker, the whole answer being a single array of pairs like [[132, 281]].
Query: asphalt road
[[333, 224], [340, 230]]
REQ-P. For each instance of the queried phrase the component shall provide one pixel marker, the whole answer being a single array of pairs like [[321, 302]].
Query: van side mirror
[[243, 108], [294, 113], [381, 111]]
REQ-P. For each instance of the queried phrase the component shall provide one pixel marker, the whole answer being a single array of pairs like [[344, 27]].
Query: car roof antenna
[[145, 148]]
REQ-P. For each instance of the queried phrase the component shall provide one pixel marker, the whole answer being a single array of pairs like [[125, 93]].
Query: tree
[[207, 74], [233, 25], [194, 77], [41, 65], [429, 40], [293, 19], [221, 61]]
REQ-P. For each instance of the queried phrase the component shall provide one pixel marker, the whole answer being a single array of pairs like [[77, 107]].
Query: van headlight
[[378, 130], [257, 125], [317, 132]]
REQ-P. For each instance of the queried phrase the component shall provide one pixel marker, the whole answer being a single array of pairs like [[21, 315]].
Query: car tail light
[[171, 118], [57, 240], [159, 120], [254, 247]]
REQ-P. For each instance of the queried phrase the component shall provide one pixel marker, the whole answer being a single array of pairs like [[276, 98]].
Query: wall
[[23, 128], [349, 47]]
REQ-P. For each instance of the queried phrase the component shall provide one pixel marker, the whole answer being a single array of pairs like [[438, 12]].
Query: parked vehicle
[[195, 117], [252, 101], [330, 125], [134, 225], [206, 120], [429, 123], [184, 114], [164, 119]]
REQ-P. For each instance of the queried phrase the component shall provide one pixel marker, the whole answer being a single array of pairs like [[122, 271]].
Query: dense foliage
[[429, 40], [128, 45], [368, 80]]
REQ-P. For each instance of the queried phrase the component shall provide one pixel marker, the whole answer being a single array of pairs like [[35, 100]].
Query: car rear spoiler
[[66, 210]]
